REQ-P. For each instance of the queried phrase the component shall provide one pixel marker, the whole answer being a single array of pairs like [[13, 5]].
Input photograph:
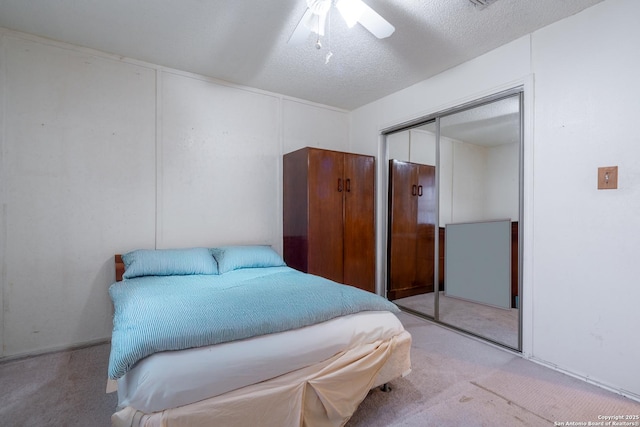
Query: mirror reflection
[[478, 210], [412, 211]]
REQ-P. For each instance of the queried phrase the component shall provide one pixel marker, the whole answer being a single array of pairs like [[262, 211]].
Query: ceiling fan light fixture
[[315, 21], [351, 11]]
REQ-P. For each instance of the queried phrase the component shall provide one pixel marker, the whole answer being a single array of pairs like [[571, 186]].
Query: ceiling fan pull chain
[[329, 53]]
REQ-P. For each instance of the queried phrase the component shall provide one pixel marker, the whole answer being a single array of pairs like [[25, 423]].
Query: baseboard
[[622, 392], [85, 344]]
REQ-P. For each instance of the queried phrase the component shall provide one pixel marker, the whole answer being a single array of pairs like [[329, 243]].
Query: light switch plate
[[608, 178]]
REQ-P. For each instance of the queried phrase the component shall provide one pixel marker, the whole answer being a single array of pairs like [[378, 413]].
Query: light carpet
[[455, 381]]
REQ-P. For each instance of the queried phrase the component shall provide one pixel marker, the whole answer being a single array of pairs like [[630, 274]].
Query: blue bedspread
[[157, 313]]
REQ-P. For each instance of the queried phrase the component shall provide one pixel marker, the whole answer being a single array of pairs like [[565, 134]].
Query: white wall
[[502, 197], [219, 164], [468, 189], [581, 293], [78, 170], [485, 183], [101, 155], [586, 289]]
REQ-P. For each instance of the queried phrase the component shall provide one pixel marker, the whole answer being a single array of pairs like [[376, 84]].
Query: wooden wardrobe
[[328, 218], [411, 235]]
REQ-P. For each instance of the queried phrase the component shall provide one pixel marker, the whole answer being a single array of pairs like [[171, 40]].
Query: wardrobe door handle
[[419, 190], [413, 190], [340, 185], [348, 185]]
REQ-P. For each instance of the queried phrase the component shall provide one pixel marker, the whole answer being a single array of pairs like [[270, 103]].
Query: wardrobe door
[[326, 189], [359, 221], [402, 228], [425, 226]]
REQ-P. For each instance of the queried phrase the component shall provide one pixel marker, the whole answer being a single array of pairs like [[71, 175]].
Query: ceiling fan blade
[[301, 32], [375, 23]]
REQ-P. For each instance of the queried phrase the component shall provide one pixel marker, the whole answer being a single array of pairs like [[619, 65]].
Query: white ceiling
[[245, 41]]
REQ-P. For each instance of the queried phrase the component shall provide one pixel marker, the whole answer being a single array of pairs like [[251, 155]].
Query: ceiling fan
[[353, 11]]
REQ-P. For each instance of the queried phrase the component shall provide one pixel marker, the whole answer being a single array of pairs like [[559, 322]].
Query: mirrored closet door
[[454, 214]]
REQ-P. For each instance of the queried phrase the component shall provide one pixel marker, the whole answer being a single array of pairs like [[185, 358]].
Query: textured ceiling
[[245, 41]]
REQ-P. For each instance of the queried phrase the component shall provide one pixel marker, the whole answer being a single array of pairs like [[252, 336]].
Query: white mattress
[[176, 378]]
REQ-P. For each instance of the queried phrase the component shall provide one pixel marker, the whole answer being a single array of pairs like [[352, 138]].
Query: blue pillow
[[168, 262], [234, 257]]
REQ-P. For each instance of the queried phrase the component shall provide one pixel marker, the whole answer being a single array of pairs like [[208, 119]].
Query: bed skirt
[[324, 394]]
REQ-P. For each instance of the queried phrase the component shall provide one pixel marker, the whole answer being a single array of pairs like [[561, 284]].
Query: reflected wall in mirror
[[475, 152]]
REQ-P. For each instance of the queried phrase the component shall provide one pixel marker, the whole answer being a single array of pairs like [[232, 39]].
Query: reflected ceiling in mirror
[[492, 124]]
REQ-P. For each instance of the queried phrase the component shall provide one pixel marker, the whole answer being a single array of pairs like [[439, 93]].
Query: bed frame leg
[[386, 388]]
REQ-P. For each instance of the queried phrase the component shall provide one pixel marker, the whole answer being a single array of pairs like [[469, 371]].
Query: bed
[[232, 336]]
